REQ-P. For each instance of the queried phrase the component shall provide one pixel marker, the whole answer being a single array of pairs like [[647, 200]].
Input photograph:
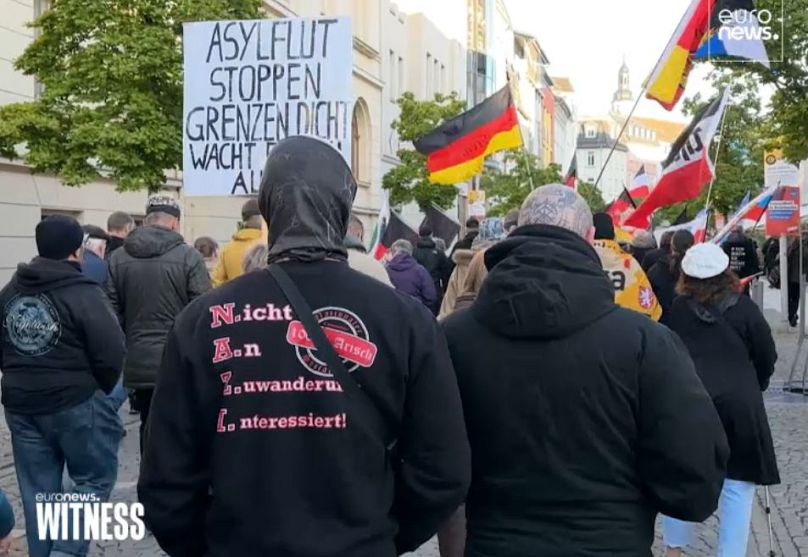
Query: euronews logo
[[82, 516], [745, 25]]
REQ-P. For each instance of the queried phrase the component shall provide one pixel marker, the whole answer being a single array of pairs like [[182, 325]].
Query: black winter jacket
[[735, 354], [434, 261], [152, 278], [743, 256], [60, 343], [253, 449], [585, 420], [663, 281], [652, 256]]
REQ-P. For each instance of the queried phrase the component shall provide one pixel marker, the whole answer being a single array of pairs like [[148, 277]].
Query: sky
[[586, 40]]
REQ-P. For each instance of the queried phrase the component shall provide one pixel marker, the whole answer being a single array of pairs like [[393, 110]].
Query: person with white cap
[[732, 347]]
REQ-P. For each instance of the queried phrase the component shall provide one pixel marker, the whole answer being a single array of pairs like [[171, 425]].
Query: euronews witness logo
[[82, 516]]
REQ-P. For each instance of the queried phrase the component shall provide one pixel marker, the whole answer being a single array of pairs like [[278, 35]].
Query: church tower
[[623, 99]]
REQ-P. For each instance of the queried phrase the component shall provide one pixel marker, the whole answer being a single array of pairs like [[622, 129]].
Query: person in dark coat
[[732, 347], [742, 252], [664, 275], [642, 243], [93, 264], [427, 254], [585, 419], [152, 278], [793, 283], [409, 277], [62, 352], [472, 229], [654, 255], [254, 448], [119, 226]]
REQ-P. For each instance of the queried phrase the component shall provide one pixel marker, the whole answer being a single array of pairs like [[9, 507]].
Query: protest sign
[[777, 171], [783, 212], [249, 84]]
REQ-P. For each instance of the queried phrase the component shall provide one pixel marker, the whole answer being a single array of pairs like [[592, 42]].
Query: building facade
[[27, 198]]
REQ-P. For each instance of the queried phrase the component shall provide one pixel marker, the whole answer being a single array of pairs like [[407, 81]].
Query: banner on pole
[[249, 84], [783, 213], [777, 171]]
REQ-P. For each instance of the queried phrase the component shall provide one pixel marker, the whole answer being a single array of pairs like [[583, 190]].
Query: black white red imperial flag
[[688, 167]]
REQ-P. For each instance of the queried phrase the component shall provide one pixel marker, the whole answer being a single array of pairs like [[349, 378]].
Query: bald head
[[557, 205]]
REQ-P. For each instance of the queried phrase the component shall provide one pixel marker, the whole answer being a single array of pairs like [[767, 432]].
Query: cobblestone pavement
[[788, 414]]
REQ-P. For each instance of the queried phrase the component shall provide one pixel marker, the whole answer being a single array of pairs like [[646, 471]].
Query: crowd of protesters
[[545, 412]]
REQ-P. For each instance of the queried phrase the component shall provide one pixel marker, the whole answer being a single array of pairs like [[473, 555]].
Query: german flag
[[667, 82], [457, 148]]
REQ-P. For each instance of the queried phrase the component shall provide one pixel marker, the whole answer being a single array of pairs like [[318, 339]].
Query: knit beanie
[[58, 236]]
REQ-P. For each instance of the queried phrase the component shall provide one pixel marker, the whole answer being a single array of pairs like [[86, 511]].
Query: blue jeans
[[85, 438], [734, 515], [118, 395]]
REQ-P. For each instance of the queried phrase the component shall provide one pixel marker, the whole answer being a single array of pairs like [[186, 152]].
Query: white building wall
[[590, 161]]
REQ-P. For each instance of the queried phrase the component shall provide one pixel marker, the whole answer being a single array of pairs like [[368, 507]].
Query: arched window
[[360, 142]]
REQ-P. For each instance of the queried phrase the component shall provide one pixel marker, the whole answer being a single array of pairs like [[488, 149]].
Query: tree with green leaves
[[593, 196], [507, 185], [408, 181], [111, 102]]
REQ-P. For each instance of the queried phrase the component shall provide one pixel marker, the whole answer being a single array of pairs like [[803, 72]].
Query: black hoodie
[[253, 449], [584, 419], [61, 342]]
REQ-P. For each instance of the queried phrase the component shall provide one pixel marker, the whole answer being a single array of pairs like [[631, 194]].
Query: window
[[590, 132], [401, 87], [392, 74], [443, 84], [360, 143], [436, 76], [590, 158]]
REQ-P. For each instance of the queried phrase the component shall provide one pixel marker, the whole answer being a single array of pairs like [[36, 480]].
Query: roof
[[600, 141], [666, 131], [563, 84]]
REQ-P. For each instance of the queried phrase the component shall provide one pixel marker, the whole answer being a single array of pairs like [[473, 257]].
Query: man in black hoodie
[[62, 349], [254, 448], [585, 419], [433, 260], [151, 279]]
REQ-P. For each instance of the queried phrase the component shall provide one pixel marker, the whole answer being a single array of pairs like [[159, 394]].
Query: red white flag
[[688, 167]]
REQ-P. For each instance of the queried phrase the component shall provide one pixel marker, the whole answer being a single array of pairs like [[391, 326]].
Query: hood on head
[[151, 241], [46, 275], [247, 235], [425, 242], [543, 282], [463, 257], [307, 190]]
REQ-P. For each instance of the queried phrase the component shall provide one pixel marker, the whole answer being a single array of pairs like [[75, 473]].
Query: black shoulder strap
[[325, 350]]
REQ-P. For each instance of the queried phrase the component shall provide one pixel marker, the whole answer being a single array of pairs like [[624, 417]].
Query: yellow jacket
[[231, 258], [632, 289]]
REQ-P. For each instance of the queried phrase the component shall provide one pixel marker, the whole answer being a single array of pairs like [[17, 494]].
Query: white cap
[[704, 261]]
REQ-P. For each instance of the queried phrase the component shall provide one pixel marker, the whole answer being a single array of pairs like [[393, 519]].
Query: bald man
[[585, 419]]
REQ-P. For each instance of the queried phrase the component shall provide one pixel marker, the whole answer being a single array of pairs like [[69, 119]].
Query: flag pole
[[645, 85], [620, 134], [717, 151]]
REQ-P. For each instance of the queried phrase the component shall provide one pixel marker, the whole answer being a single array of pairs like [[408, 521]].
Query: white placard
[[249, 84]]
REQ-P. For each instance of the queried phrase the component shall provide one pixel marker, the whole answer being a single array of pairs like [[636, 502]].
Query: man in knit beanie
[[62, 351]]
